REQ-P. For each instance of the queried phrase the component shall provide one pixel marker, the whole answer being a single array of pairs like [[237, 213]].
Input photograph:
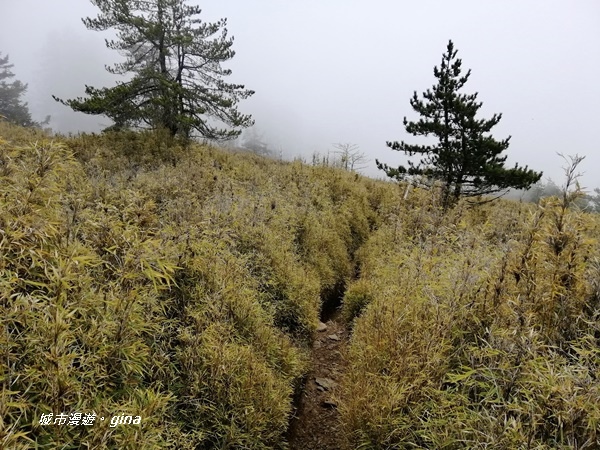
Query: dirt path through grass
[[316, 425]]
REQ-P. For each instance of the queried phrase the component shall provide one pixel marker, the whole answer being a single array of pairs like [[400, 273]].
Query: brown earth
[[316, 422]]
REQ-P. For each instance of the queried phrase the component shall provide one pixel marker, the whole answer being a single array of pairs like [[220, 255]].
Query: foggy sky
[[331, 71]]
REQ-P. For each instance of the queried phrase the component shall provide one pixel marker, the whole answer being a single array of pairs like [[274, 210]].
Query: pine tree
[[175, 59], [12, 108], [466, 159], [595, 201]]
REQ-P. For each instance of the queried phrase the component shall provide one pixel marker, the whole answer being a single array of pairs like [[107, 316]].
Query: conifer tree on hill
[[12, 107], [466, 159], [175, 61]]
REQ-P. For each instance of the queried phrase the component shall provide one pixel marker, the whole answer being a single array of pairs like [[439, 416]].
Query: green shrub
[[358, 295]]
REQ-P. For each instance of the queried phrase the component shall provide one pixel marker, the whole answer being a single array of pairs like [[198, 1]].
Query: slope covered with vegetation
[[476, 329], [184, 285], [179, 285]]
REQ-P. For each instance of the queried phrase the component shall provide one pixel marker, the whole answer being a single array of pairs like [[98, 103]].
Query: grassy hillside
[[184, 285], [476, 329]]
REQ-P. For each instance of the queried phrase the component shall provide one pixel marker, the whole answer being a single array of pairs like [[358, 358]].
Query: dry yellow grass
[[480, 330], [180, 284], [184, 285]]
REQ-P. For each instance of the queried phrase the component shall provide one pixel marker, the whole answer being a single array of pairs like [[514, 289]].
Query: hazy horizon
[[328, 72]]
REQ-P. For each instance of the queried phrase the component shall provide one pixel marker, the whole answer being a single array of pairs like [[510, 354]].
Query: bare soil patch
[[316, 422]]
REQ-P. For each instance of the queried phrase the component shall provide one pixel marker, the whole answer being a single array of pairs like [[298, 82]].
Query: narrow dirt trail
[[316, 424]]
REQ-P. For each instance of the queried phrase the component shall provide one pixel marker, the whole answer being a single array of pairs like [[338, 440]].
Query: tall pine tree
[[175, 59], [465, 159], [12, 108]]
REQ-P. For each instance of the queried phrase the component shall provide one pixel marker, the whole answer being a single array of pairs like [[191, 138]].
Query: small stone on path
[[321, 327], [329, 404], [334, 337], [325, 383]]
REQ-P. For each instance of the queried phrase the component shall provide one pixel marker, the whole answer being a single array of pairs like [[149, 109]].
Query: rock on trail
[[316, 422]]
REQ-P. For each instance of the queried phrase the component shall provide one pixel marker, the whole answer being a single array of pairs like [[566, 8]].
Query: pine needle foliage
[[13, 108], [466, 160], [174, 58]]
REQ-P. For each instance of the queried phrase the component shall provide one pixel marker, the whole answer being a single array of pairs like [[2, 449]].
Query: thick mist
[[344, 71]]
